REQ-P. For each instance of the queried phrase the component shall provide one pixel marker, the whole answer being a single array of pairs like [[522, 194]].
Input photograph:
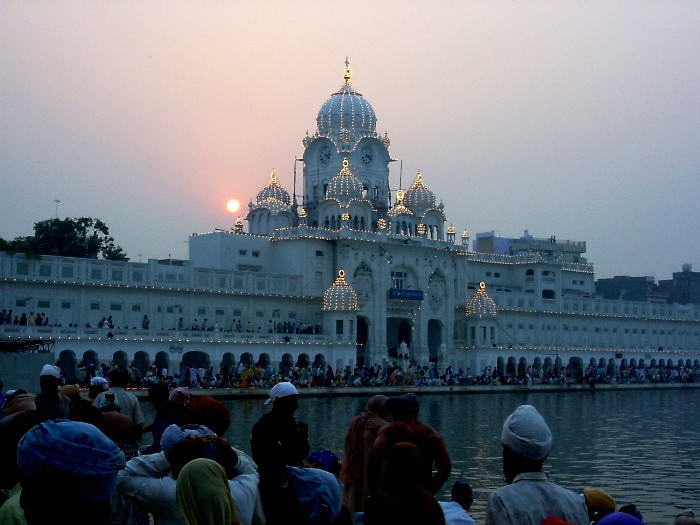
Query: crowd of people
[[393, 373], [67, 456], [205, 325]]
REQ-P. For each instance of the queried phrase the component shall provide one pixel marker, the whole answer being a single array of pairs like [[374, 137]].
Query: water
[[642, 447]]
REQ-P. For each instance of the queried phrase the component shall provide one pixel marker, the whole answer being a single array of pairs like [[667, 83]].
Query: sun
[[233, 205]]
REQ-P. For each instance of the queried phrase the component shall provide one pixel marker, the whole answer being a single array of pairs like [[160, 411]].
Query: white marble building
[[415, 283]]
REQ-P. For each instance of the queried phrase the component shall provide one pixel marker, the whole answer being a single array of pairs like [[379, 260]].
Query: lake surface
[[641, 446]]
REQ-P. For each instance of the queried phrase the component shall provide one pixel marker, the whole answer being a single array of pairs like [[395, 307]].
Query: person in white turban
[[530, 497]]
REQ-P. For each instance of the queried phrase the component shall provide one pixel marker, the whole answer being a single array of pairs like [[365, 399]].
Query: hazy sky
[[577, 119]]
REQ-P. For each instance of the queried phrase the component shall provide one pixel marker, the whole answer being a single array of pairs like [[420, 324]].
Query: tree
[[82, 237]]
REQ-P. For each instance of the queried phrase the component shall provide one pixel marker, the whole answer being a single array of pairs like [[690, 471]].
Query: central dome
[[346, 112]]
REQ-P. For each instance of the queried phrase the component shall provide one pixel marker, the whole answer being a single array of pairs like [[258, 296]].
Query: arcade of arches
[[503, 365]]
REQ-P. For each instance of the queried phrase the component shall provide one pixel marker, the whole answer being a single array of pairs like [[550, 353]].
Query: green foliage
[[82, 237]]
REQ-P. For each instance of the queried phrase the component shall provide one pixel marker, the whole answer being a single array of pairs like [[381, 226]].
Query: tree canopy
[[82, 237]]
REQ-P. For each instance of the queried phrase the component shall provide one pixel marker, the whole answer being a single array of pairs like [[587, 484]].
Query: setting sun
[[233, 205]]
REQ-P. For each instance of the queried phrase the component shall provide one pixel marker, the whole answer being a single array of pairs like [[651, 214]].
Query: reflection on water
[[642, 447]]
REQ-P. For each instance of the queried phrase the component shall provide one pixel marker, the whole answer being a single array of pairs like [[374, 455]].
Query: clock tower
[[346, 129]]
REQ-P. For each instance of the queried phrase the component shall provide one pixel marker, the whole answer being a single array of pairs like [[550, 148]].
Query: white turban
[[526, 433], [282, 389], [51, 370], [97, 380]]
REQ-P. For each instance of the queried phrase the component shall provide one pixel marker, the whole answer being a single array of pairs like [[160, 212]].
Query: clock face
[[366, 154], [325, 154]]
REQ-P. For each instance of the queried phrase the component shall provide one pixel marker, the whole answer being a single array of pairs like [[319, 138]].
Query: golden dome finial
[[400, 194], [348, 71], [345, 162], [273, 177]]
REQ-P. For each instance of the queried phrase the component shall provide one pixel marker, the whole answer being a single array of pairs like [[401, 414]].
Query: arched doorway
[[303, 361], [162, 363], [141, 361], [398, 330], [247, 359], [511, 367], [576, 368], [263, 360], [362, 340], [434, 339], [89, 360], [120, 360], [286, 365], [196, 359], [67, 364]]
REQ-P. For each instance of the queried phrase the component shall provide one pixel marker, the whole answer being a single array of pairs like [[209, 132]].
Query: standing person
[[406, 427], [529, 496], [49, 403], [359, 442], [203, 494], [278, 441], [128, 403], [145, 323], [403, 499]]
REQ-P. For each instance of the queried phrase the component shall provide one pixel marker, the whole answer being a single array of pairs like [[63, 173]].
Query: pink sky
[[574, 119]]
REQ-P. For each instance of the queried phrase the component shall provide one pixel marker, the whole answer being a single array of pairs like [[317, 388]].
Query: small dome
[[418, 197], [275, 206], [273, 190], [344, 187], [340, 296], [399, 208], [481, 305], [346, 110]]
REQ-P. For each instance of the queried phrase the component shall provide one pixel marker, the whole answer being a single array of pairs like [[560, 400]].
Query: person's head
[[324, 460], [620, 518], [631, 508], [207, 411], [203, 494], [50, 379], [598, 502], [181, 395], [463, 494], [377, 405], [18, 401], [210, 447], [68, 463], [118, 379], [403, 407], [173, 434], [284, 397], [72, 392], [526, 440], [687, 517]]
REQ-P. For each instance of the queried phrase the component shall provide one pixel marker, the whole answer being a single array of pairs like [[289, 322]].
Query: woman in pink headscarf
[[359, 442]]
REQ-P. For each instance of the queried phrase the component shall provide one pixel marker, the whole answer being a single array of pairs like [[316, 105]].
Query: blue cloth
[[325, 459], [619, 518], [70, 457], [319, 493]]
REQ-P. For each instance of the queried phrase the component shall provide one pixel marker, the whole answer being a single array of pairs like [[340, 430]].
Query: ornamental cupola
[[345, 187], [273, 190], [481, 305], [340, 296], [419, 198]]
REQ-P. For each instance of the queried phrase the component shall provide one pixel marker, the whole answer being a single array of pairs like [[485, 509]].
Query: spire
[[348, 71]]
